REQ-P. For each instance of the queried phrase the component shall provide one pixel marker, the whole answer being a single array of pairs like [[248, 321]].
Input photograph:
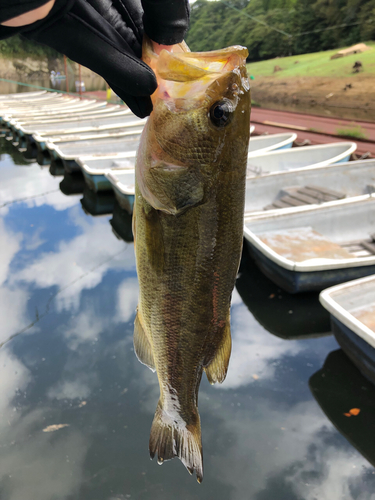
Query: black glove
[[106, 36]]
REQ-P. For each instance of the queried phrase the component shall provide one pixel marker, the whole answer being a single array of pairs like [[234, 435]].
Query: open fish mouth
[[185, 76]]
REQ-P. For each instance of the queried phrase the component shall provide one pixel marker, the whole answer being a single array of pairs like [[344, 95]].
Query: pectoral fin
[[174, 188], [142, 346], [216, 371]]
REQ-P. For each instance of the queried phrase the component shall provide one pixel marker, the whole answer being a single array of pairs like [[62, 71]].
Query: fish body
[[188, 230]]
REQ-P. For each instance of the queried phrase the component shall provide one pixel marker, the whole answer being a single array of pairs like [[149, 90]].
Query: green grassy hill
[[316, 64]]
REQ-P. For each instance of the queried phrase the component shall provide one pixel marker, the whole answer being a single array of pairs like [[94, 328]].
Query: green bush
[[315, 25], [17, 46]]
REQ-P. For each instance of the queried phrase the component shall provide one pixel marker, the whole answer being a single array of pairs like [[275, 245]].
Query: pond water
[[94, 83], [68, 293]]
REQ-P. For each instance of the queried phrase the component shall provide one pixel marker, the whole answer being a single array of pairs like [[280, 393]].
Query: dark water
[[68, 293]]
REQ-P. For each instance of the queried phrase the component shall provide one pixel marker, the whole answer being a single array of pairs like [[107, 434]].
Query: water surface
[[68, 294], [91, 83]]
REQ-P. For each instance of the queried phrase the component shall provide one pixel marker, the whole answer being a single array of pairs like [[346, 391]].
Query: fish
[[188, 232]]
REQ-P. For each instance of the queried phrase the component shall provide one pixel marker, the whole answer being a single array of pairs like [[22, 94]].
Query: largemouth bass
[[188, 229]]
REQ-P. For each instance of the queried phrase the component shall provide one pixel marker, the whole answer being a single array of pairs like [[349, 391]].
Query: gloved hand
[[106, 36]]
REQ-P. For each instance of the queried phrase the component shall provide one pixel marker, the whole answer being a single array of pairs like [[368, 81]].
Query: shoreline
[[351, 98]]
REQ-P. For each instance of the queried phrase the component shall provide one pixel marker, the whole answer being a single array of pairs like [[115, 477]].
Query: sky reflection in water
[[68, 288]]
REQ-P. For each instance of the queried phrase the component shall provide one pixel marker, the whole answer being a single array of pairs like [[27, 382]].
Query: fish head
[[200, 123]]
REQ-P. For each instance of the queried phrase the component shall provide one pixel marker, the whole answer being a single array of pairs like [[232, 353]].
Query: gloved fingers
[[95, 44], [166, 22], [140, 106], [125, 16]]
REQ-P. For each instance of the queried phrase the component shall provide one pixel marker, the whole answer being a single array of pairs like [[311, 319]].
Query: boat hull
[[97, 204], [358, 350], [304, 281], [97, 182], [126, 201]]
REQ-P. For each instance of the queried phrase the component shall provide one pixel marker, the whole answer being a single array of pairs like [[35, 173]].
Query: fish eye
[[221, 113]]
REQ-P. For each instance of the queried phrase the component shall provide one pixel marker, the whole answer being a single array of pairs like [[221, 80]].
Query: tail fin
[[172, 437]]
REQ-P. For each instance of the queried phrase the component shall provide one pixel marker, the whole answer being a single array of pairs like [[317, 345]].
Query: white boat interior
[[353, 303], [77, 118], [292, 189], [88, 136], [68, 109], [99, 165], [295, 158], [76, 113], [85, 124], [102, 146], [19, 96], [264, 143], [122, 179], [32, 101], [317, 238], [52, 102]]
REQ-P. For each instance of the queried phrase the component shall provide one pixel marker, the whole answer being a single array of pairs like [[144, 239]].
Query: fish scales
[[188, 230]]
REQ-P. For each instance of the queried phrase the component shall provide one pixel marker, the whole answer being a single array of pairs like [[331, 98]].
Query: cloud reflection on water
[[263, 438], [286, 454], [12, 298], [253, 348], [29, 183], [33, 464]]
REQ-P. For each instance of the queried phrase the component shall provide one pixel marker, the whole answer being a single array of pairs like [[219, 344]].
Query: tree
[[315, 25]]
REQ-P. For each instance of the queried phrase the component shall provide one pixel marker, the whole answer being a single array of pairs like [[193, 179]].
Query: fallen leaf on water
[[255, 377], [354, 411], [55, 427]]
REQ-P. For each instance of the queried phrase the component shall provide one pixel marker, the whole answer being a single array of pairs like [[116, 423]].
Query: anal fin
[[142, 346], [216, 371]]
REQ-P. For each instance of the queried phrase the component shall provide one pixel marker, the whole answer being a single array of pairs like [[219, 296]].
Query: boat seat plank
[[355, 249], [337, 194], [360, 248], [320, 197], [303, 243], [306, 199], [295, 196], [369, 246], [277, 204], [353, 242], [292, 202]]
